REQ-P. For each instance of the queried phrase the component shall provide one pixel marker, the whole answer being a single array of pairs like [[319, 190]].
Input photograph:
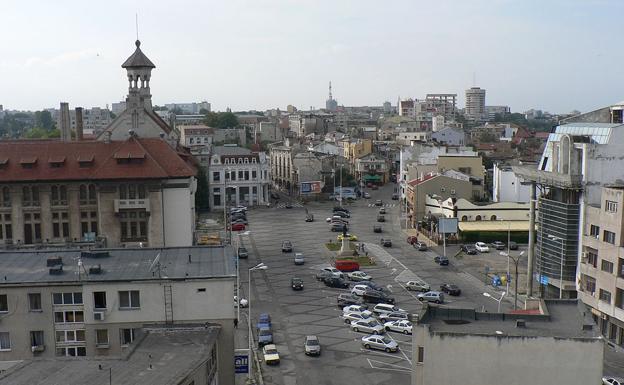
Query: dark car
[[450, 289], [323, 275], [395, 197], [242, 253], [309, 218], [513, 245], [377, 229], [469, 249], [371, 285], [338, 208], [421, 246], [287, 247], [378, 202], [381, 218], [441, 260], [498, 245], [342, 214], [338, 227], [264, 321], [385, 242], [288, 205], [376, 296], [347, 299], [296, 283], [238, 215], [265, 336], [336, 282]]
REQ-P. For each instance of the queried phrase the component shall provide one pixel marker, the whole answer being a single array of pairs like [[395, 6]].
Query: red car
[[412, 239], [238, 227]]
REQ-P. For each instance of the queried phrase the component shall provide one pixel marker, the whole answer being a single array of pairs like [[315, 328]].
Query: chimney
[[79, 127], [107, 137], [65, 122]]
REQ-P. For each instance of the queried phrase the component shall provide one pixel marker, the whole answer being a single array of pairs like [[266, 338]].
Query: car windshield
[[386, 340], [297, 280], [271, 351], [312, 342], [265, 332], [373, 323]]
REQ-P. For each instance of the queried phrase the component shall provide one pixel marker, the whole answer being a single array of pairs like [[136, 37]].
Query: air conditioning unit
[[38, 348], [98, 315]]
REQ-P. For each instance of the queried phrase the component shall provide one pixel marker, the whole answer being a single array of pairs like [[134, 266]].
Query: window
[[132, 191], [608, 237], [60, 225], [620, 271], [240, 175], [34, 301], [36, 338], [127, 335], [592, 257], [5, 197], [590, 284], [69, 316], [101, 337], [88, 222], [246, 175], [605, 296], [129, 299], [594, 231], [58, 196], [6, 228], [99, 300], [216, 176], [421, 354], [32, 228], [5, 341], [611, 206], [71, 351], [87, 194], [4, 303], [606, 266], [254, 174], [619, 298], [133, 225], [30, 196], [67, 298]]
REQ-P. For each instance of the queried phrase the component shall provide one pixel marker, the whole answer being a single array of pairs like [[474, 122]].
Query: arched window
[[464, 218], [478, 218], [493, 218]]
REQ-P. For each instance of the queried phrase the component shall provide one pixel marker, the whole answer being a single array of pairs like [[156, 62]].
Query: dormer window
[[56, 161], [129, 157], [85, 160], [253, 160], [246, 160], [240, 160], [28, 162], [4, 163]]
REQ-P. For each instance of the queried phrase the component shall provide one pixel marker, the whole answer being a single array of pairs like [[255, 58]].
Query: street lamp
[[516, 261], [260, 266], [508, 249], [555, 238], [497, 300]]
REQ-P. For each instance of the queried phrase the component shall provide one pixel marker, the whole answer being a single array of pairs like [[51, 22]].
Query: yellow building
[[356, 148]]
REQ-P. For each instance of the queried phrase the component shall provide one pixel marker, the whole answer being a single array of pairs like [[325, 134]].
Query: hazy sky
[[556, 55]]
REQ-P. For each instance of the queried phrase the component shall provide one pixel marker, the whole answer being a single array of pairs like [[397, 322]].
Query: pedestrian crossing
[[386, 205], [282, 205]]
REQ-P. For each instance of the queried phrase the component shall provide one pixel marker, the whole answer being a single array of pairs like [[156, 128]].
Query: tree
[[221, 120], [202, 198], [44, 120], [36, 133]]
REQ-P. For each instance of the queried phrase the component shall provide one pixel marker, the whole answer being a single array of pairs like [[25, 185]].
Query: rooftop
[[557, 318], [18, 267], [230, 150], [138, 59], [163, 357]]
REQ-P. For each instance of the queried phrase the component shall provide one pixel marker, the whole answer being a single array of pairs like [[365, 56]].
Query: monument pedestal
[[345, 250]]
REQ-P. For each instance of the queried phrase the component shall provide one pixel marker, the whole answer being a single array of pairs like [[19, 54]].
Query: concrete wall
[[451, 359], [507, 187], [471, 165], [179, 211]]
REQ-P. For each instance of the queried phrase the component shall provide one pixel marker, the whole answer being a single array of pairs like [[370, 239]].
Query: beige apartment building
[[601, 281], [441, 185]]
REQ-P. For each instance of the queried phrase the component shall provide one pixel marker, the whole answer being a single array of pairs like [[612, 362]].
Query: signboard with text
[[241, 361], [310, 187]]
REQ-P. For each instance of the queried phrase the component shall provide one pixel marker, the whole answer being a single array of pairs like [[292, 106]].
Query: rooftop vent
[[56, 270], [588, 327], [520, 323], [97, 269], [54, 261], [94, 254]]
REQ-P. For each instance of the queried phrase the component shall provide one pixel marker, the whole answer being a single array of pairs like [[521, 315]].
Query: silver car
[[431, 296], [380, 342], [356, 316], [312, 346], [370, 326]]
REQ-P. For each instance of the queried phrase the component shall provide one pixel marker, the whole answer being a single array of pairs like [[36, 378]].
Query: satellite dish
[[155, 262]]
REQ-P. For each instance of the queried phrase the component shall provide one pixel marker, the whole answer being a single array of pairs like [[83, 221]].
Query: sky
[[554, 55]]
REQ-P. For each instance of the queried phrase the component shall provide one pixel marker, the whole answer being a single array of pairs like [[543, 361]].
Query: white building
[[437, 123], [188, 108], [507, 186]]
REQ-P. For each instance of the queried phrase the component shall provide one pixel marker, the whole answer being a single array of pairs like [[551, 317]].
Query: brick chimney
[[65, 123], [79, 125]]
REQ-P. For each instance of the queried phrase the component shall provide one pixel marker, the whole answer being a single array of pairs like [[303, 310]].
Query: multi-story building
[[449, 136], [94, 119], [239, 175], [356, 148], [139, 190], [492, 111], [188, 108], [475, 104], [196, 136], [372, 168], [444, 104], [269, 132], [283, 173], [74, 303], [507, 186]]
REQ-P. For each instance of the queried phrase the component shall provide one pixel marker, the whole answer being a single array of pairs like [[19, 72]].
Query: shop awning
[[494, 226], [373, 178]]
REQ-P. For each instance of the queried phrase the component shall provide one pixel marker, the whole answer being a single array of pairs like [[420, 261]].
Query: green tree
[[36, 133], [202, 199], [221, 120]]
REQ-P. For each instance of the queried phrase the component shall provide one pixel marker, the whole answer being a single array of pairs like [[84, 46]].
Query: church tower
[[139, 69]]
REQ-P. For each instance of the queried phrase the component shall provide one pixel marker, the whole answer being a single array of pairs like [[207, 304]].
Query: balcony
[[131, 204], [548, 178]]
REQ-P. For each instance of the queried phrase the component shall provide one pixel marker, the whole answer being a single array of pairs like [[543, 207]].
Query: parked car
[[378, 202], [608, 380], [431, 296], [382, 210], [299, 259], [342, 214], [296, 283], [382, 308], [351, 237], [338, 208], [287, 247], [375, 187], [412, 239], [469, 249], [421, 246], [366, 195], [338, 227], [242, 253], [238, 208], [323, 275], [441, 260], [380, 343], [359, 289], [450, 289], [288, 205], [356, 309], [482, 247], [358, 276], [336, 282], [270, 354], [345, 299], [265, 336], [513, 245], [386, 242], [377, 229], [394, 316], [381, 218], [312, 346], [395, 197], [309, 218], [346, 265], [377, 296], [275, 196], [498, 245], [417, 286], [403, 326], [353, 317], [237, 227], [370, 325], [335, 272], [264, 321], [371, 285]]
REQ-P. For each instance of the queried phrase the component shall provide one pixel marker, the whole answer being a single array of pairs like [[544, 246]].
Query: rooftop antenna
[[136, 23], [156, 265]]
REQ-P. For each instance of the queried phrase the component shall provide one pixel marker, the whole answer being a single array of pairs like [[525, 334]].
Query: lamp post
[[555, 238], [260, 266], [508, 249], [497, 300], [516, 261]]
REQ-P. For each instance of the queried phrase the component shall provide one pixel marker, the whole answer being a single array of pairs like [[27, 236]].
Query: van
[[299, 259], [346, 265]]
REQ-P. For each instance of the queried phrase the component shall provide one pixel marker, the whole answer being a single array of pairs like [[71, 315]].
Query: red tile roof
[[134, 158], [425, 178]]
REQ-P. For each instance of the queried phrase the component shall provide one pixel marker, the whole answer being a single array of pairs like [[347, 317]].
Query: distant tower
[[331, 104], [475, 103], [139, 69]]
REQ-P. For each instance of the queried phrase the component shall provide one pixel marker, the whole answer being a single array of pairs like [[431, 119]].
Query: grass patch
[[365, 261]]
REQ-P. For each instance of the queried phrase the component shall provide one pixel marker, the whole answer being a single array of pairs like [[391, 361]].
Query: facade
[[444, 104], [188, 108], [372, 168], [283, 173], [515, 349], [269, 132], [98, 303], [449, 136], [507, 186], [492, 111], [475, 104], [94, 119], [306, 124], [239, 175], [406, 138], [356, 148], [443, 186], [601, 270], [196, 136], [120, 193], [437, 123]]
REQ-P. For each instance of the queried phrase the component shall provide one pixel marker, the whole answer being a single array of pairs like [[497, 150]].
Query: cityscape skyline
[[258, 66]]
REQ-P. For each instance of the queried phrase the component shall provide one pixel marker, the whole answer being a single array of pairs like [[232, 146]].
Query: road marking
[[393, 367], [400, 350]]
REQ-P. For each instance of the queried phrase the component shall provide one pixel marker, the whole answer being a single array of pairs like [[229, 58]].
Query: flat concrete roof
[[20, 267], [560, 319], [175, 353]]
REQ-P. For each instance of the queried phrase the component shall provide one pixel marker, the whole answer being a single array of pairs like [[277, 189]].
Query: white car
[[271, 356], [243, 302], [381, 308], [359, 290], [417, 286], [404, 327], [352, 317], [336, 273], [482, 247], [380, 342], [355, 309], [358, 276], [370, 326]]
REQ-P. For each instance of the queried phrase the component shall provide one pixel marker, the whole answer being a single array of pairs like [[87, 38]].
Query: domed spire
[[138, 59]]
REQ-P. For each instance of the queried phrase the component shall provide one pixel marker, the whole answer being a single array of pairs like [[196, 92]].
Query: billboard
[[241, 361], [447, 225], [310, 187]]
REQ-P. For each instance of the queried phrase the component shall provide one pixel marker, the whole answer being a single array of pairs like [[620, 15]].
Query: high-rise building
[[331, 104], [475, 103]]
